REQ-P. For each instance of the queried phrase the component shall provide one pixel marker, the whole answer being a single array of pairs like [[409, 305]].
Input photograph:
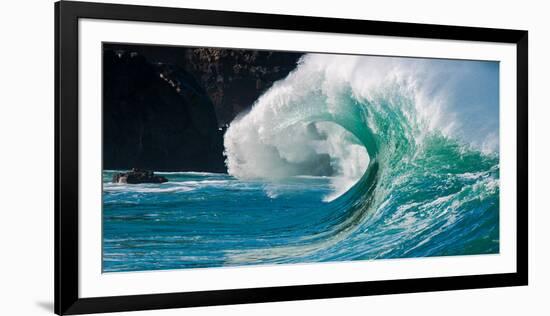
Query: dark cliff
[[165, 108], [232, 78], [156, 116]]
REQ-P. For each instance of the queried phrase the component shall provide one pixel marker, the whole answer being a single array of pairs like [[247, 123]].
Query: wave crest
[[332, 114]]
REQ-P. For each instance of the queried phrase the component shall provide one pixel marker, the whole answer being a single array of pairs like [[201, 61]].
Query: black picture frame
[[67, 15]]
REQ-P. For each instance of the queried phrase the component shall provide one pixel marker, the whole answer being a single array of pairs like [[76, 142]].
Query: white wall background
[[26, 159]]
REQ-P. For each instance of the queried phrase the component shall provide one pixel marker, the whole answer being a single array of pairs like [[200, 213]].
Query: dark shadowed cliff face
[[156, 116], [232, 78], [165, 108]]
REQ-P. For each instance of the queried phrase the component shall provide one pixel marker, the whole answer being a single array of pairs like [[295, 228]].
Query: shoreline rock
[[137, 176]]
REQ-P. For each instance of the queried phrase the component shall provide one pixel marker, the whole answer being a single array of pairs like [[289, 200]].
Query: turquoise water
[[404, 177], [197, 219], [445, 201], [211, 220]]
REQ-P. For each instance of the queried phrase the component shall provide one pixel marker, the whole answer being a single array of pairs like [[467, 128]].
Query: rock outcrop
[[235, 78], [232, 78], [136, 176], [157, 117], [166, 108]]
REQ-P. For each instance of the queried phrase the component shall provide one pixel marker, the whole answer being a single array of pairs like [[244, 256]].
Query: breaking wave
[[411, 146]]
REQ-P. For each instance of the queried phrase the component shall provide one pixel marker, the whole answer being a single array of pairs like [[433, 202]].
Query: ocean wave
[[399, 140]]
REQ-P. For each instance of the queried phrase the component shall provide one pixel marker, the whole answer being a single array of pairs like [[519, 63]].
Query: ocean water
[[348, 158], [197, 219]]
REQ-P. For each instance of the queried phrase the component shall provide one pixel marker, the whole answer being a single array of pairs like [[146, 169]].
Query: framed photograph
[[209, 158]]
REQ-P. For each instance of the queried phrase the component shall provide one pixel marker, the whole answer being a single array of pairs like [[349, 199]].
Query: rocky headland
[[166, 108]]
